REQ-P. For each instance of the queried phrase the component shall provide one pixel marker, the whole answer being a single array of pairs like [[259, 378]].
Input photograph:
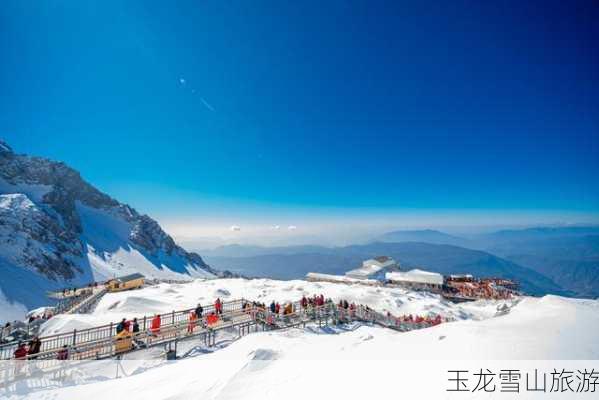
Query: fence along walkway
[[88, 303], [100, 342], [90, 337]]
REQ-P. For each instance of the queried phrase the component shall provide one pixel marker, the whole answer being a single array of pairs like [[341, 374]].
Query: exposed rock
[[45, 234]]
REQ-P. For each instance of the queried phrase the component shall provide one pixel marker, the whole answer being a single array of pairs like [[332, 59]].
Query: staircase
[[88, 304]]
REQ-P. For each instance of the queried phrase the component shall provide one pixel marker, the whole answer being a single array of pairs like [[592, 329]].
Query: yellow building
[[133, 281]]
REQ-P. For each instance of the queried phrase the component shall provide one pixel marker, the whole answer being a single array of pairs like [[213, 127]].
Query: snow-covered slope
[[363, 362], [58, 230], [167, 297]]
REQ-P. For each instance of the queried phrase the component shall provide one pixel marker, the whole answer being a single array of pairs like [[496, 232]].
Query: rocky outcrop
[[44, 234]]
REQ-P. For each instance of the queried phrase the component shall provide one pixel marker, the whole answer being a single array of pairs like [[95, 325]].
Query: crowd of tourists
[[481, 290], [127, 332]]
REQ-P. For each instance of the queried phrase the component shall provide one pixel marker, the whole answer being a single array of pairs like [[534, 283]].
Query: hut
[[416, 279], [127, 282]]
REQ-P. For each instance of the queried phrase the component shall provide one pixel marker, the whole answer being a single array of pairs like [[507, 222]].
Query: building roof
[[416, 276], [364, 271], [131, 277]]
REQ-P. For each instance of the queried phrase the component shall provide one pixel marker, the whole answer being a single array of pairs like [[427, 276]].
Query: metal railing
[[57, 341], [101, 341]]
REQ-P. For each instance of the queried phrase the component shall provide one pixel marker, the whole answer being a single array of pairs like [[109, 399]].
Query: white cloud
[[235, 228], [275, 227], [292, 227]]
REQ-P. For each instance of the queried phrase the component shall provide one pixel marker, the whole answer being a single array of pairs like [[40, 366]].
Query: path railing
[[101, 342], [55, 342]]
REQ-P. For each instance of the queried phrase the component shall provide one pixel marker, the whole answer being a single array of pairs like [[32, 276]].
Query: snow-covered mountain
[[56, 229]]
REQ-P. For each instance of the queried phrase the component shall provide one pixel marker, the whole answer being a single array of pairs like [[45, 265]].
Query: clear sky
[[214, 113]]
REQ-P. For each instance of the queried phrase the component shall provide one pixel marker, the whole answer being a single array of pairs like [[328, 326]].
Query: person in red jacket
[[218, 306], [21, 352], [63, 354], [155, 325], [191, 324], [211, 319], [277, 308]]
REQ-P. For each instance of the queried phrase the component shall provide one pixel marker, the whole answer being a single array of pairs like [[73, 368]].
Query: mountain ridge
[[55, 224], [445, 259]]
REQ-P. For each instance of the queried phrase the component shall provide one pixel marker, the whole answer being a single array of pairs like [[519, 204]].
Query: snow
[[371, 267], [361, 362], [107, 249], [111, 254], [364, 271], [317, 276], [416, 275], [164, 298], [33, 191]]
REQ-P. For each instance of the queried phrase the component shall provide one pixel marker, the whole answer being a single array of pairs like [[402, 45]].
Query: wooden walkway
[[101, 342]]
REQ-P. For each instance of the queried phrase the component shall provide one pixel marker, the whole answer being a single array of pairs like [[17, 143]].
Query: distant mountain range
[[559, 260], [57, 230], [295, 262], [569, 256], [424, 236]]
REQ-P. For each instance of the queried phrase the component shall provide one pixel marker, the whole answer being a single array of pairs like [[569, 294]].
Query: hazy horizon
[[199, 237]]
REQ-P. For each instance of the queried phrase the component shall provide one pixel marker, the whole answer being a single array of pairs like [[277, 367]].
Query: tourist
[[135, 326], [121, 326], [304, 302], [34, 347], [155, 325], [199, 310], [218, 306], [192, 322], [63, 354], [5, 330], [21, 351]]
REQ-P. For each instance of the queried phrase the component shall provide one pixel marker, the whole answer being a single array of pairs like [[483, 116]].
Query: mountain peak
[[59, 230], [5, 148]]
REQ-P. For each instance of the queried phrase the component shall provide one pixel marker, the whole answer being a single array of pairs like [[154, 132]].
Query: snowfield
[[355, 361], [164, 298]]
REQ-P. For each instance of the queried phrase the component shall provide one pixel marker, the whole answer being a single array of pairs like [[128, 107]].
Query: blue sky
[[275, 111]]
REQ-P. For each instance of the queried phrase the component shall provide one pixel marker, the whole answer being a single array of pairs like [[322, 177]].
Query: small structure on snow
[[374, 268], [133, 281], [416, 279]]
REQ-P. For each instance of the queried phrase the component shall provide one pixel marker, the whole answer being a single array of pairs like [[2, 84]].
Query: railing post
[[173, 317], [145, 323], [74, 336]]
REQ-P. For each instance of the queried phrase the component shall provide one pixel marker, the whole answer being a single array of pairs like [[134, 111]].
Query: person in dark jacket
[[121, 326], [63, 354], [199, 311], [273, 307], [135, 326], [34, 347]]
